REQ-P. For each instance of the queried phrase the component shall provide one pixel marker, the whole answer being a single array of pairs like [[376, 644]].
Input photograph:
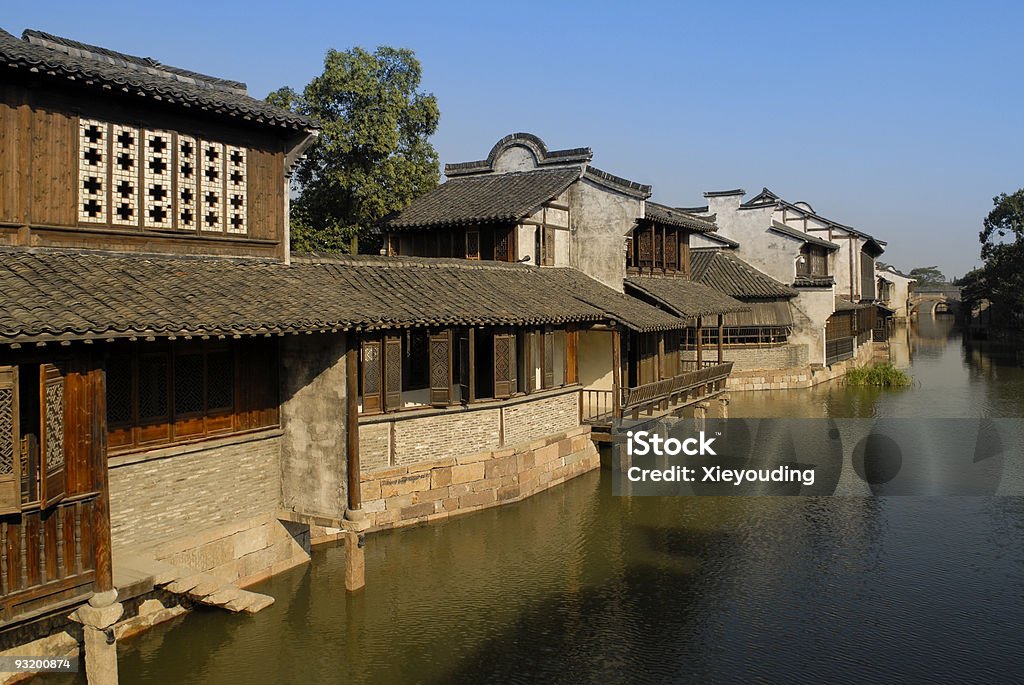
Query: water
[[574, 585]]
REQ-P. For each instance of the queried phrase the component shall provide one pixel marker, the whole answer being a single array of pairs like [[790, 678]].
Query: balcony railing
[[838, 349], [596, 406]]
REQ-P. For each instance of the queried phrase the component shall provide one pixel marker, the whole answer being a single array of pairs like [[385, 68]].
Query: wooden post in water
[[355, 559]]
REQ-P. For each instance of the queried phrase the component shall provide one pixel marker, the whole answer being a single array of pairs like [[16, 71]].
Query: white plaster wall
[[515, 158], [594, 357], [600, 219], [811, 309]]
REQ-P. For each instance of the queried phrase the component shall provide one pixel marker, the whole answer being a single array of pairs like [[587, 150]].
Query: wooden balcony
[[697, 381]]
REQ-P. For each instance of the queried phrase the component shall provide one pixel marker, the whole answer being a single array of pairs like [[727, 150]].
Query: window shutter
[[441, 369], [503, 244], [504, 365], [549, 358], [371, 376], [472, 244], [549, 246], [51, 430], [464, 369], [10, 458], [392, 372], [671, 251]]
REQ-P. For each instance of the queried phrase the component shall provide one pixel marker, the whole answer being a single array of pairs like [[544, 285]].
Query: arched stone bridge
[[935, 299]]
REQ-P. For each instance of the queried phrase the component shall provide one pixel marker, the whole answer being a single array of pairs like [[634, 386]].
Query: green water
[[577, 586]]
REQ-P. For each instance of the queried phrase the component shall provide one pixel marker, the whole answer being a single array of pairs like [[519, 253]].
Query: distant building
[[894, 291]]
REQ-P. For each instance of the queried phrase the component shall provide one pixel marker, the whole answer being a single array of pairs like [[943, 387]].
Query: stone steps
[[205, 588]]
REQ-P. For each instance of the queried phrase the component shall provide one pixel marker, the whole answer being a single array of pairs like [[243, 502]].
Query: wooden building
[[552, 208]]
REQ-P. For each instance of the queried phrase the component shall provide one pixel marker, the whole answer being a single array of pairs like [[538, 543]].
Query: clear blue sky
[[902, 120]]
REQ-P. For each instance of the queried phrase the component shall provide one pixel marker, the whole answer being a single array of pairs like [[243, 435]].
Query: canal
[[574, 585]]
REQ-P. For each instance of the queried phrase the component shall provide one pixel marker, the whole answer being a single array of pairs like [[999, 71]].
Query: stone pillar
[[723, 404], [700, 413], [98, 618], [355, 561]]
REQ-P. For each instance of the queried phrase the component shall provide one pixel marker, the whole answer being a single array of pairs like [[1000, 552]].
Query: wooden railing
[[47, 556], [838, 349], [597, 406]]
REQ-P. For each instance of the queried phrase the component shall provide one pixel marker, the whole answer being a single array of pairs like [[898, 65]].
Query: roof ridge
[[75, 48]]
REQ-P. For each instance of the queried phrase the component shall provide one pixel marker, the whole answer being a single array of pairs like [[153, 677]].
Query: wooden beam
[[352, 419], [616, 375], [721, 331], [700, 340], [98, 429], [661, 355]]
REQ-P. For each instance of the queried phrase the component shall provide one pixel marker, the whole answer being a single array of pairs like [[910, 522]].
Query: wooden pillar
[[661, 356], [352, 419], [472, 364], [616, 375], [97, 384], [721, 331], [700, 341]]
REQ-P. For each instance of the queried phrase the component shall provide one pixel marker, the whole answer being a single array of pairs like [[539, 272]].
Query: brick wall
[[181, 491], [532, 420], [759, 358], [801, 376], [406, 439]]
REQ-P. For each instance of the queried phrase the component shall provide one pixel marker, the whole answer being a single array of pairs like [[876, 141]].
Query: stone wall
[[313, 463], [411, 438], [437, 489], [758, 358], [181, 491], [802, 377]]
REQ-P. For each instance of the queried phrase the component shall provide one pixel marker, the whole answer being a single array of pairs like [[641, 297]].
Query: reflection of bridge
[[935, 299]]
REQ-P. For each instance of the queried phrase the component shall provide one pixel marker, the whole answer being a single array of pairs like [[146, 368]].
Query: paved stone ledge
[[429, 491], [800, 377]]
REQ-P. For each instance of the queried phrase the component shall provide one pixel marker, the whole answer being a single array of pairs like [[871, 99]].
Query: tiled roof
[[623, 185], [55, 295], [107, 71], [683, 297], [721, 240], [844, 304], [801, 235], [488, 198], [729, 274], [676, 217]]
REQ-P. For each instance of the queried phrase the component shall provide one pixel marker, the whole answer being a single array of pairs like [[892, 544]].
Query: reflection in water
[[574, 585]]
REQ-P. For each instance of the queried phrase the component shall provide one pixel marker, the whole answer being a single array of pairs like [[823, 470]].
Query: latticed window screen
[[52, 430], [160, 179], [503, 243], [188, 384], [645, 249], [212, 184], [119, 391], [157, 172], [220, 380], [371, 358], [125, 176], [672, 251], [472, 245], [93, 171], [188, 175], [393, 372], [153, 387], [440, 369], [237, 200], [10, 481], [504, 365]]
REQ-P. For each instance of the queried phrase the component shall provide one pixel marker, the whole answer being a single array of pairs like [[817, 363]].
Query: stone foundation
[[433, 490], [753, 358], [801, 377]]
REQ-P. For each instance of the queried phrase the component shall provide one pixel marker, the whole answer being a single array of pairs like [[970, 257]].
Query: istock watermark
[[853, 457]]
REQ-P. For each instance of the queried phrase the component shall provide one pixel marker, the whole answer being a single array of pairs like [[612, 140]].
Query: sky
[[901, 119]]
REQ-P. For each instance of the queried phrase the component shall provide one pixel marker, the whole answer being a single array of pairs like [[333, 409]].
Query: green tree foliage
[[373, 155], [1001, 278], [927, 275]]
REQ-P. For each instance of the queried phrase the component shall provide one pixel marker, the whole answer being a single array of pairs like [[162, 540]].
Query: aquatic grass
[[879, 376]]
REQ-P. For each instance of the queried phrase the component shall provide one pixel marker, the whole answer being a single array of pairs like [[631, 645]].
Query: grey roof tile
[[683, 297], [725, 272]]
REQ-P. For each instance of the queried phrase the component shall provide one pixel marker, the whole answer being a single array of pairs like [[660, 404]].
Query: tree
[[1000, 280], [373, 155], [1007, 219], [927, 275]]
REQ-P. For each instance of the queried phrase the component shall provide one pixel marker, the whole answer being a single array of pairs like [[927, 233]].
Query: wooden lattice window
[[392, 372], [440, 369], [504, 365], [504, 242], [51, 381], [672, 251], [371, 360], [645, 249], [549, 359], [472, 244], [10, 457], [548, 252]]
